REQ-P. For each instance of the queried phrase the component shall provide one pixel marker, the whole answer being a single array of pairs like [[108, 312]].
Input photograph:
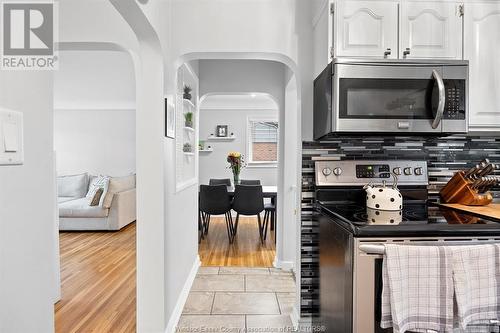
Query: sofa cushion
[[80, 208], [64, 199], [116, 185], [75, 186]]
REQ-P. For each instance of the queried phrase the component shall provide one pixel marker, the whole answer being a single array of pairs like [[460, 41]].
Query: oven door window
[[387, 98]]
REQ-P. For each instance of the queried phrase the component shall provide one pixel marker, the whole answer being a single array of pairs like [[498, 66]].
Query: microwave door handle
[[442, 97]]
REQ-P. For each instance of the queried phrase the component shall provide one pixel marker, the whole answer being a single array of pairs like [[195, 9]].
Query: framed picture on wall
[[169, 119], [221, 131]]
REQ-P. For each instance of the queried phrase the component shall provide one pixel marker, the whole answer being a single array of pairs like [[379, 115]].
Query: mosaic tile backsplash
[[444, 156]]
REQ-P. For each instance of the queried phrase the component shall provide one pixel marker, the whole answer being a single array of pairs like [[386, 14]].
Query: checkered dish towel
[[417, 292], [476, 274]]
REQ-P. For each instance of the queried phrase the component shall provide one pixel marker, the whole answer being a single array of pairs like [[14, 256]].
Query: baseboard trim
[[288, 265], [295, 318], [181, 301]]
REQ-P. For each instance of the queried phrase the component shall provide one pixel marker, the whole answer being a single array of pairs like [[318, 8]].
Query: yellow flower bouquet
[[236, 163]]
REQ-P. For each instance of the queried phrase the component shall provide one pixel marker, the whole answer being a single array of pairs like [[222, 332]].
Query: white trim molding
[[181, 300], [286, 265]]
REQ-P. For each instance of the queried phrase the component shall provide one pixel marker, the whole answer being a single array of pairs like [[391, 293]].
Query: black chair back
[[248, 199], [214, 199], [226, 182], [249, 182]]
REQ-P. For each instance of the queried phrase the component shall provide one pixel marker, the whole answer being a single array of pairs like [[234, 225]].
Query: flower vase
[[236, 178]]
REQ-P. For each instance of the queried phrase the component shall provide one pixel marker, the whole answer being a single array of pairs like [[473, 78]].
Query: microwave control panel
[[455, 99]]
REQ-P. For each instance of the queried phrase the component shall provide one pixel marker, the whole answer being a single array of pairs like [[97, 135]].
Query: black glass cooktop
[[412, 213], [424, 219]]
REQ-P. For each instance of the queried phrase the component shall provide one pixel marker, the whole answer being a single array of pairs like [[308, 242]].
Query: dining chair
[[215, 200], [269, 215], [248, 200], [249, 182], [225, 181]]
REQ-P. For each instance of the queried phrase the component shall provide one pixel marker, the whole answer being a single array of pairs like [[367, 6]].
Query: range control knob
[[327, 171], [397, 171], [337, 171], [408, 171], [418, 171]]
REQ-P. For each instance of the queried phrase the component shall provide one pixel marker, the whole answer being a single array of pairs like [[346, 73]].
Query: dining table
[[269, 192]]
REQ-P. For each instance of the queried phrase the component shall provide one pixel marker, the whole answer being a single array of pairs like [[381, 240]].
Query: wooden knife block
[[458, 190]]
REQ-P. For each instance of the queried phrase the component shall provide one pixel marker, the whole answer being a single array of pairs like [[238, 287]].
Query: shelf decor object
[[187, 148], [187, 92], [188, 119], [221, 131]]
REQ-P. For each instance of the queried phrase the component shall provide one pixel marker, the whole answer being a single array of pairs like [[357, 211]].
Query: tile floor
[[239, 299]]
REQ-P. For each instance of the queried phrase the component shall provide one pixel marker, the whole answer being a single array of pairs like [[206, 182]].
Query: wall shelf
[[188, 102], [221, 138], [188, 153], [206, 150], [189, 129]]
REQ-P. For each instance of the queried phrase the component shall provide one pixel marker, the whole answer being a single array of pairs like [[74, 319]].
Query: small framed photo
[[169, 119], [222, 131]]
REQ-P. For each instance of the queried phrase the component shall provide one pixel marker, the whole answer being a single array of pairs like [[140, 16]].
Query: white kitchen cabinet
[[430, 30], [482, 49], [366, 29], [322, 39]]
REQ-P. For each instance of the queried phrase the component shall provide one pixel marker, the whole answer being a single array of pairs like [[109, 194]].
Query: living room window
[[262, 141]]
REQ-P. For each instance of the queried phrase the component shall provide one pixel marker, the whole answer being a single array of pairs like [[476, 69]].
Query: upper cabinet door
[[482, 49], [366, 29], [430, 30]]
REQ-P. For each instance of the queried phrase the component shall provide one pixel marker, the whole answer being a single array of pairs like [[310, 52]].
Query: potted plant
[[188, 118], [187, 92], [187, 148]]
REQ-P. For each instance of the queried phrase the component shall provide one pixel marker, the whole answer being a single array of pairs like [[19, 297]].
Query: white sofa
[[75, 213]]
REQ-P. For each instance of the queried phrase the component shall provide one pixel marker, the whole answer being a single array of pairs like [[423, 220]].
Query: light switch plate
[[11, 137]]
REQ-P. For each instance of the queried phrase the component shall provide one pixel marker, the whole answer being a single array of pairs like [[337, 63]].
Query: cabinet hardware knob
[[406, 52], [387, 52]]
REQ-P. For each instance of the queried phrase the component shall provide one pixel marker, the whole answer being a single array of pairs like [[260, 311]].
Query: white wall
[[199, 29], [94, 120], [94, 80], [214, 164], [243, 76], [95, 141], [27, 210]]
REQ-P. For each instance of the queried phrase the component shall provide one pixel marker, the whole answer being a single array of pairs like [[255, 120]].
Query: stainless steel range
[[352, 236]]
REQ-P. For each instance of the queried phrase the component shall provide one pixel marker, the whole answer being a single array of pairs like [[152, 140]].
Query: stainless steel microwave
[[391, 96]]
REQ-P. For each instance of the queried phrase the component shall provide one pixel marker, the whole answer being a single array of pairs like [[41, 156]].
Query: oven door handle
[[372, 249], [442, 98], [380, 249]]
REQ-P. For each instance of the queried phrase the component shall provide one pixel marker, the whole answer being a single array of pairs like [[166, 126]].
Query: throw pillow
[[118, 184], [94, 201], [97, 183]]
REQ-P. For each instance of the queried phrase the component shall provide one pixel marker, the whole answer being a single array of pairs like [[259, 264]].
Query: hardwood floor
[[246, 250], [98, 282]]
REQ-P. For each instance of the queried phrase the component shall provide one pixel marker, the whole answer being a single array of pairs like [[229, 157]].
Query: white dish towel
[[476, 275], [417, 292]]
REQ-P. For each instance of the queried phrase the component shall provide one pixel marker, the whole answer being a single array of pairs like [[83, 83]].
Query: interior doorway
[[95, 144], [250, 123]]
